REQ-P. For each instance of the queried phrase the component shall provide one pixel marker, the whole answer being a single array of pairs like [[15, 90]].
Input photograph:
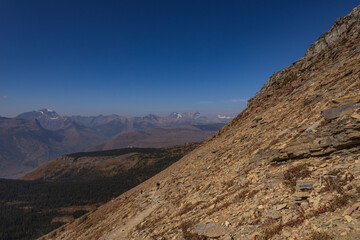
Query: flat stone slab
[[339, 111], [272, 214], [280, 206], [273, 182], [351, 209], [212, 230], [313, 127], [301, 196], [303, 185]]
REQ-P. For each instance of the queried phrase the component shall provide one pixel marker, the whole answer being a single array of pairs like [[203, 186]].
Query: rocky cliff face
[[288, 167], [326, 49]]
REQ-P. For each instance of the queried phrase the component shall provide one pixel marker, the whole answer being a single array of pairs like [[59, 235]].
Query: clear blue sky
[[139, 57]]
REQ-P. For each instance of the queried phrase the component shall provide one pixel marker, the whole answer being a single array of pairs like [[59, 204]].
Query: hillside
[[25, 144], [287, 167], [160, 137], [66, 188], [23, 139], [91, 165]]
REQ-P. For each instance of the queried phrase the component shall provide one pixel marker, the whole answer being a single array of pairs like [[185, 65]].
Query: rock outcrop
[[288, 167]]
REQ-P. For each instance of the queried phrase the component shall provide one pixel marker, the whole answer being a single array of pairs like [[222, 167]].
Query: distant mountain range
[[36, 137], [112, 125]]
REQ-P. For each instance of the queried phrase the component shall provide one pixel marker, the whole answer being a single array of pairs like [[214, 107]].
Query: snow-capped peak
[[223, 117], [176, 115]]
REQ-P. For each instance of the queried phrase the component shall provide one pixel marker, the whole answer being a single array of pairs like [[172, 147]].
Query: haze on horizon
[[138, 57]]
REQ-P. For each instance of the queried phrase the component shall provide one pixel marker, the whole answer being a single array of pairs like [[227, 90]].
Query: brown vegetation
[[295, 173]]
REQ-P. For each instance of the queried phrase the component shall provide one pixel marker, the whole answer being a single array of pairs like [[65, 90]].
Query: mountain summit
[[175, 115], [287, 167], [48, 118]]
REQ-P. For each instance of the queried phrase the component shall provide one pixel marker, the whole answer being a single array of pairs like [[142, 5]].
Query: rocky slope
[[288, 167]]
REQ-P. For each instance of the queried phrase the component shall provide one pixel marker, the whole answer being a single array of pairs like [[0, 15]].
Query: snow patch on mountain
[[224, 117]]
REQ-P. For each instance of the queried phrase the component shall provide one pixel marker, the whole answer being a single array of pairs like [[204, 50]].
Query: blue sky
[[139, 57]]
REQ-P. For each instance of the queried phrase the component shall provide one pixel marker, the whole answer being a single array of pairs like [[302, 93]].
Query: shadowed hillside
[[66, 188], [25, 144]]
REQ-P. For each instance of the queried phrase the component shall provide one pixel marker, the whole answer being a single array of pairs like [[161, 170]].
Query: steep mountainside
[[160, 137], [287, 167]]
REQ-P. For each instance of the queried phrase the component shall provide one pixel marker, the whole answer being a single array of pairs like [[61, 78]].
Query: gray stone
[[313, 127], [211, 230], [334, 113], [281, 206], [303, 185], [273, 214], [284, 132], [344, 133], [301, 196]]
